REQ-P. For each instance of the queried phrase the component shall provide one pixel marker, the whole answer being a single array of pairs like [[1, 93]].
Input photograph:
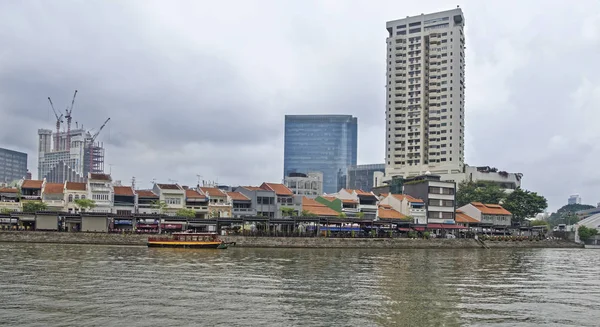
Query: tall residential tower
[[321, 143], [425, 94]]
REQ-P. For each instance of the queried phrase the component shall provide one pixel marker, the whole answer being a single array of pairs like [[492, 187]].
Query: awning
[[147, 226], [449, 226], [171, 226], [434, 226], [419, 229], [404, 229]]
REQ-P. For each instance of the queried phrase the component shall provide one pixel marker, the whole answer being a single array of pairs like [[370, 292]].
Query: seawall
[[282, 242]]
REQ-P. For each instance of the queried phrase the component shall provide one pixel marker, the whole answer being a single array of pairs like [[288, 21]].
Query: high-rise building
[[574, 199], [363, 177], [425, 94], [321, 143], [58, 163], [13, 165]]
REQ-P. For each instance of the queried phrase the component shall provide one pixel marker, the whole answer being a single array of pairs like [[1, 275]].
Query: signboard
[[122, 222]]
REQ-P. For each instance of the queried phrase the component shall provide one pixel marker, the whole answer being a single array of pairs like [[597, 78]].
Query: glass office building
[[362, 176], [13, 165], [321, 143]]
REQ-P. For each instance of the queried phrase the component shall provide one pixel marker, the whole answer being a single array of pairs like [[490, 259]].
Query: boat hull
[[188, 245]]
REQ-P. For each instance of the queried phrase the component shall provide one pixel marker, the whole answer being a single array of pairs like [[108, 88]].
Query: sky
[[200, 88]]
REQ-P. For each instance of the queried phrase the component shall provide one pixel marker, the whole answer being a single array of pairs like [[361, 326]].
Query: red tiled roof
[[407, 197], [54, 188], [361, 192], [193, 194], [146, 194], [386, 212], [317, 208], [100, 177], [73, 186], [169, 186], [31, 183], [279, 189], [8, 190], [124, 190], [462, 217], [349, 201], [213, 191], [237, 196], [490, 209]]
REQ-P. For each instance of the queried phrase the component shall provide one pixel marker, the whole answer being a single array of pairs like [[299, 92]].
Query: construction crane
[[58, 121], [91, 145], [69, 117]]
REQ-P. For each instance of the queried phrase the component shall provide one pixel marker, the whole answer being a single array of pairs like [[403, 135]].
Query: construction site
[[69, 154]]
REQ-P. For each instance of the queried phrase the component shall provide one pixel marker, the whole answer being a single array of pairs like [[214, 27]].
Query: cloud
[[201, 88]]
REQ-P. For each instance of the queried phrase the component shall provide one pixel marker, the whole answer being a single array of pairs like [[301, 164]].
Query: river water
[[81, 285]]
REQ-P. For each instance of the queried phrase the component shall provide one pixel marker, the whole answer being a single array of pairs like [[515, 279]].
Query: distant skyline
[[202, 88]]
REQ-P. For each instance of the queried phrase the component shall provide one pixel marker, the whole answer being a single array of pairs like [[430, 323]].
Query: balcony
[[31, 197]]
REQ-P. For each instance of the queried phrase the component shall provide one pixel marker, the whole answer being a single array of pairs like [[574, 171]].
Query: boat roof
[[186, 233]]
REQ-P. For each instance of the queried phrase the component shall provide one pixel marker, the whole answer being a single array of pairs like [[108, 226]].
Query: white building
[[101, 191], [309, 185], [425, 94], [172, 195], [574, 199], [407, 205]]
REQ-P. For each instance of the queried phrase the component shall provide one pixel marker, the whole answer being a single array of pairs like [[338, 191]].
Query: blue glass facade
[[321, 143]]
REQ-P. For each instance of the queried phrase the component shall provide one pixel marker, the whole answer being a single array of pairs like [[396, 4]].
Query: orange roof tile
[[349, 201], [73, 186], [317, 208], [407, 197], [31, 183], [490, 209], [100, 177], [8, 190], [54, 188], [279, 189], [146, 194], [124, 190], [169, 186], [388, 213], [237, 196], [462, 217], [194, 194], [213, 191], [385, 206], [361, 192]]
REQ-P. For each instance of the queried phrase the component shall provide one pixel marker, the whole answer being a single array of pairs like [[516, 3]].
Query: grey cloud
[[201, 87]]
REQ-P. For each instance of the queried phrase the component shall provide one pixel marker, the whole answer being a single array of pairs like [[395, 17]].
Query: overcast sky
[[202, 87]]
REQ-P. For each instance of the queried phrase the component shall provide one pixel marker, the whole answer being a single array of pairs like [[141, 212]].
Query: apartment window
[[172, 200], [414, 30], [447, 215], [414, 24]]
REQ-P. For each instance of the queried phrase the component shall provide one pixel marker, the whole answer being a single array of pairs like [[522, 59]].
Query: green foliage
[[539, 223], [160, 205], [5, 211], [522, 204], [586, 233], [426, 235], [214, 214], [85, 204], [342, 215], [306, 213], [361, 215], [188, 213], [418, 181], [288, 212], [484, 192], [34, 206], [567, 214], [412, 234]]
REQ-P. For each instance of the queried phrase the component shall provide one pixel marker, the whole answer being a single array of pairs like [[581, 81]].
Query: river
[[82, 285]]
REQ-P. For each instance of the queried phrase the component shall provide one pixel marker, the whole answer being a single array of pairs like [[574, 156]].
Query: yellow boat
[[189, 240]]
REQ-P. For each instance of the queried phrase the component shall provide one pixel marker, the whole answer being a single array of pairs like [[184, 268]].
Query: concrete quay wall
[[281, 242]]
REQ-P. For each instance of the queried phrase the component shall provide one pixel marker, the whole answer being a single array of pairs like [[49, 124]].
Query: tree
[[188, 213], [522, 204], [306, 213], [342, 215], [288, 212], [538, 222], [5, 211], [34, 206], [85, 204], [586, 233], [215, 214], [160, 205], [484, 192], [360, 215], [567, 214]]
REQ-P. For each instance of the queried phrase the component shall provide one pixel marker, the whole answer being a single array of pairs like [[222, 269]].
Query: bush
[[426, 235]]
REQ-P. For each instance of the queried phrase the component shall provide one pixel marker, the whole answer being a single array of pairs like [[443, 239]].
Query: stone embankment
[[283, 242]]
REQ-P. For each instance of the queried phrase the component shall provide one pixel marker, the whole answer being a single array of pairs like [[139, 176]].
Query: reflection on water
[[70, 285]]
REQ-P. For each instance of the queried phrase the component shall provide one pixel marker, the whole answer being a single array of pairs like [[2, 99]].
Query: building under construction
[[69, 155]]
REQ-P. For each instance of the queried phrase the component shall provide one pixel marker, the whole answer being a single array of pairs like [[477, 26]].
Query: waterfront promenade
[[282, 242]]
